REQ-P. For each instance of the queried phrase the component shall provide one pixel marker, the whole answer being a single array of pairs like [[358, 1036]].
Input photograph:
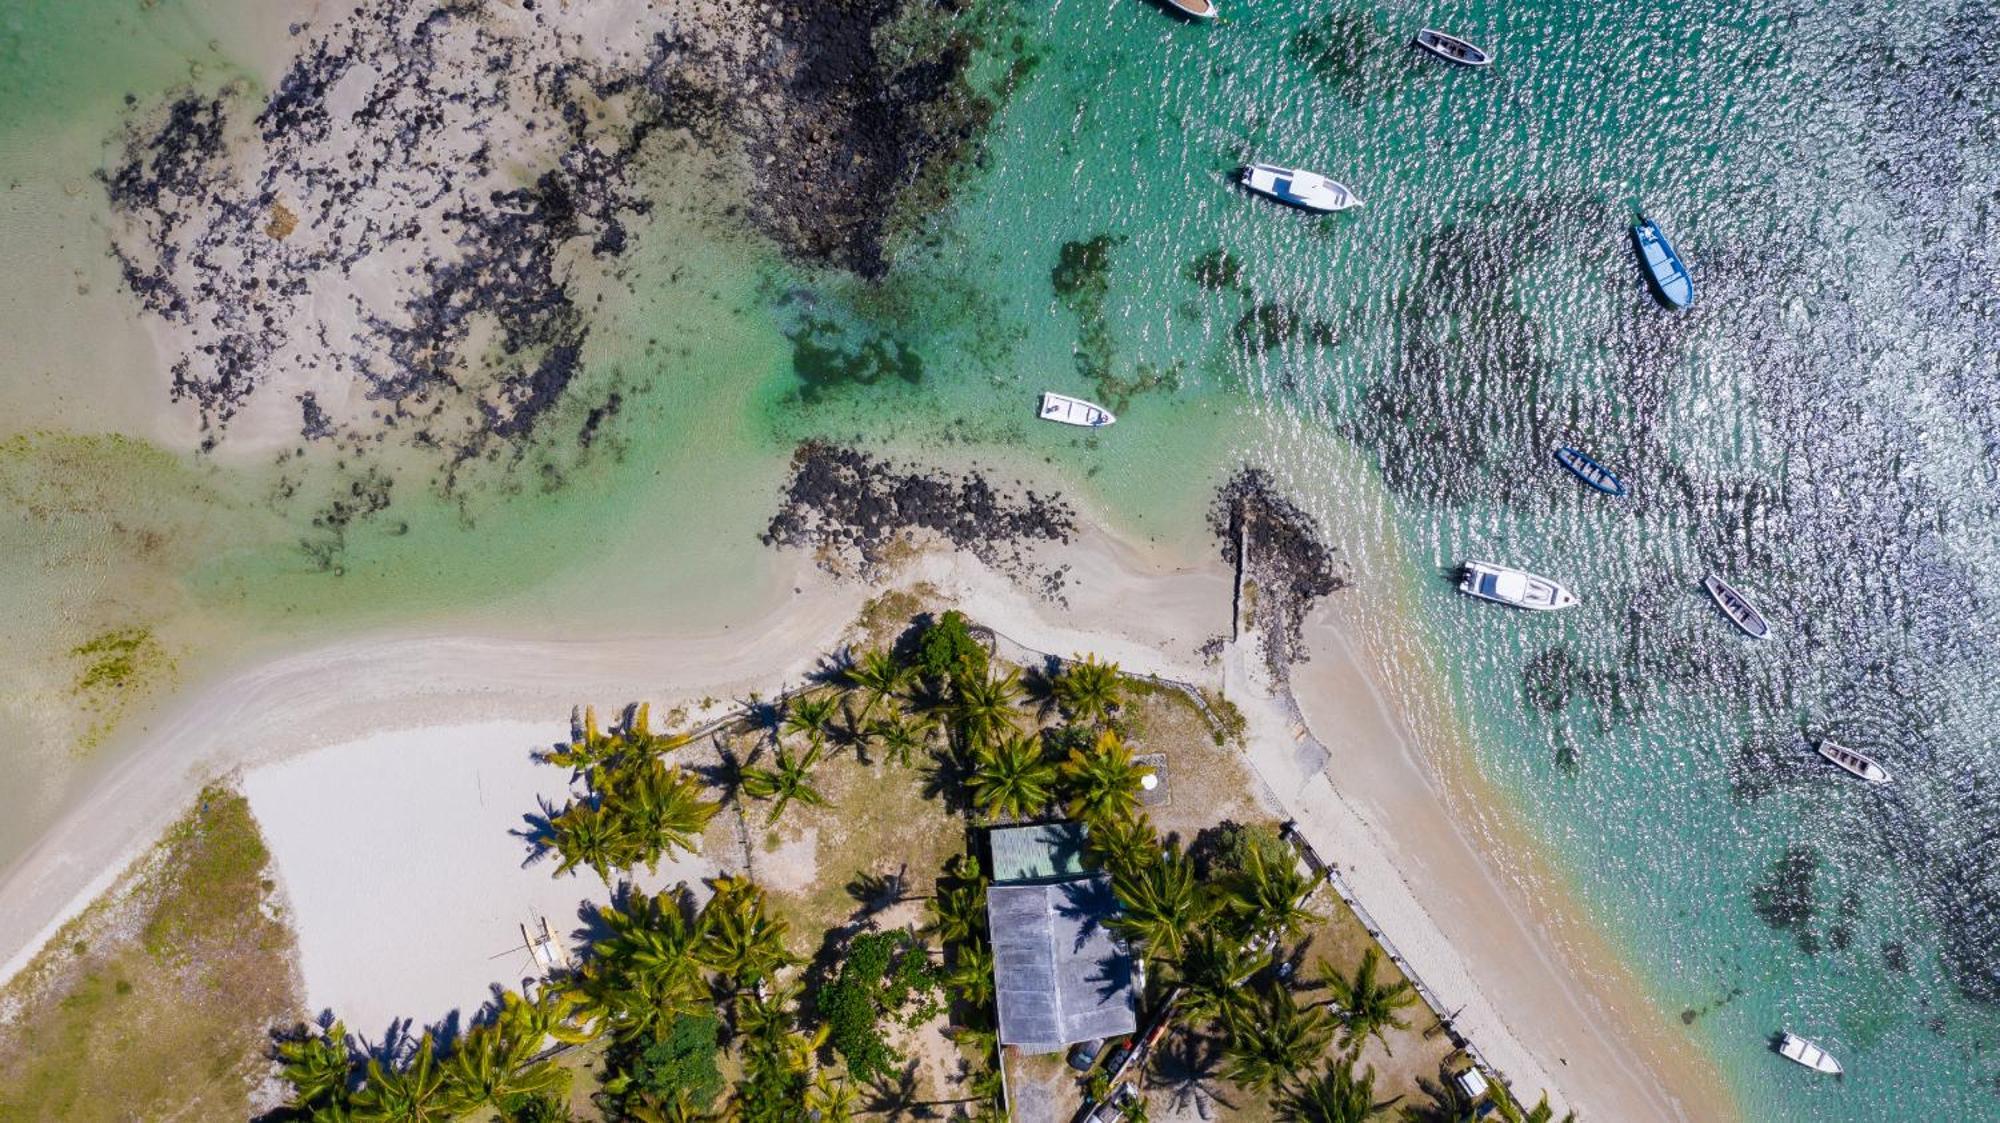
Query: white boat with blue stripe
[[1074, 411], [1514, 587], [1306, 190]]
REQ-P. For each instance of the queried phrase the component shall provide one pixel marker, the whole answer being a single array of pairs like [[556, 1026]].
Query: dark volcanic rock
[[1281, 553], [856, 509]]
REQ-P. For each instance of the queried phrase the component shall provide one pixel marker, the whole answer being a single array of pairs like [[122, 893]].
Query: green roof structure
[[1041, 852]]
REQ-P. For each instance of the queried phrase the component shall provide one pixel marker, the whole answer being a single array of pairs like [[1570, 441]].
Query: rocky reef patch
[[860, 513]]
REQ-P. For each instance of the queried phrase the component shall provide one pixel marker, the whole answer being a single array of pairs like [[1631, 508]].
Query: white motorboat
[[1193, 9], [1857, 763], [1074, 411], [1518, 588], [1792, 1047], [1308, 190]]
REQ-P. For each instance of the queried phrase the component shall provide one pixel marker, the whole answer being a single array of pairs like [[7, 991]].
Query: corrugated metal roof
[[1059, 975], [1039, 852]]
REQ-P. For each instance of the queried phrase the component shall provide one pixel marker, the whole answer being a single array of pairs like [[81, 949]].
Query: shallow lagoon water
[[1821, 427]]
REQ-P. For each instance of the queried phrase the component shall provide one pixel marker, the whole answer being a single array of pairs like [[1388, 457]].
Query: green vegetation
[[636, 810], [884, 976], [698, 1010], [947, 654], [680, 1067], [115, 668], [152, 1003]]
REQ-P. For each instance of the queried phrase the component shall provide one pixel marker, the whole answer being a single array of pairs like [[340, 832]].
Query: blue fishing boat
[[1663, 266], [1590, 471]]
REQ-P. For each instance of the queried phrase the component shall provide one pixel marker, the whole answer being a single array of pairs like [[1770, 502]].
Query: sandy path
[[1541, 996]]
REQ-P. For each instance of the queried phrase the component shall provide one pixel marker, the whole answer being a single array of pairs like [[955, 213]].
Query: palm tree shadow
[[895, 1099], [1038, 686], [878, 892], [832, 668], [1186, 1066], [537, 832], [947, 778]]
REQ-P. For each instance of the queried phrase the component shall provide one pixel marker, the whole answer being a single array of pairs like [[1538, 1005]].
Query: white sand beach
[[407, 877], [424, 723]]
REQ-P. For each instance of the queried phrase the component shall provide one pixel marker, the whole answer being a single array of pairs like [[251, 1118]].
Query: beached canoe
[[1792, 1047], [1066, 410], [1192, 9], [1590, 471], [1663, 264], [1451, 48], [1857, 763], [1308, 190], [1513, 587], [1736, 608]]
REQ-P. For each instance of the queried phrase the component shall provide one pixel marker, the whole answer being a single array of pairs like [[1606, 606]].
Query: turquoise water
[[1822, 427]]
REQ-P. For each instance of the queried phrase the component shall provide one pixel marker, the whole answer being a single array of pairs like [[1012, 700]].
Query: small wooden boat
[[1736, 608], [1795, 1048], [1308, 190], [1590, 471], [1662, 264], [1857, 763], [1451, 48], [1192, 9], [1514, 587], [1074, 411]]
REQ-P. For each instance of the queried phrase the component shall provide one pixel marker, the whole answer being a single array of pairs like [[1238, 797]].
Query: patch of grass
[[154, 1004], [115, 668]]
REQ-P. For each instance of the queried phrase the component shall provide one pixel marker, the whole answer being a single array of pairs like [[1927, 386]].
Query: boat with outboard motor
[[1794, 1048], [1514, 587], [1663, 264], [1063, 409], [1306, 190]]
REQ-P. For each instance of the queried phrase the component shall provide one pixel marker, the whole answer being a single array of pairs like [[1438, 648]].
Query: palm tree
[[971, 975], [737, 937], [1103, 780], [1268, 896], [491, 1065], [984, 707], [1163, 903], [958, 909], [416, 1092], [1087, 690], [790, 780], [588, 745], [648, 971], [1271, 1044], [1214, 974], [1368, 1007], [901, 737], [830, 1099], [1336, 1095], [553, 1014], [1123, 842], [876, 675], [809, 715], [585, 834], [661, 809], [1011, 776], [318, 1066]]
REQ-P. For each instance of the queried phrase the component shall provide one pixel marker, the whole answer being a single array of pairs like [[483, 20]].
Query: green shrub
[[948, 653], [682, 1063], [886, 977]]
